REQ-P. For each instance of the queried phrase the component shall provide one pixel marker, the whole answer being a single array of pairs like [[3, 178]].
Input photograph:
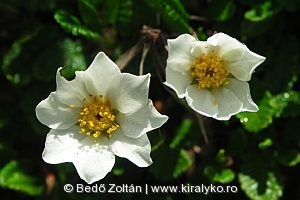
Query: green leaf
[[13, 178], [176, 161], [73, 58], [251, 187], [66, 53], [266, 143], [181, 132], [73, 25], [259, 177], [173, 12], [216, 174], [288, 157], [269, 107], [220, 10], [89, 14], [184, 161], [261, 12]]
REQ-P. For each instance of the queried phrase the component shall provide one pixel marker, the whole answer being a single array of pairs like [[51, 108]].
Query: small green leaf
[[266, 143], [221, 157], [219, 175], [13, 178], [181, 132], [288, 157], [183, 163], [73, 25], [259, 177], [251, 187], [261, 12]]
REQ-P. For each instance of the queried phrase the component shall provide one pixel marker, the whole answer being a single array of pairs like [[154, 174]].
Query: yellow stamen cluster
[[209, 71], [97, 117]]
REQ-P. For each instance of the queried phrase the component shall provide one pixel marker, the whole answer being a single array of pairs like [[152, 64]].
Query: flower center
[[97, 117], [209, 71]]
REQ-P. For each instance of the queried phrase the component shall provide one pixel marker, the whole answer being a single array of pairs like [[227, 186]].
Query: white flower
[[212, 75], [99, 114]]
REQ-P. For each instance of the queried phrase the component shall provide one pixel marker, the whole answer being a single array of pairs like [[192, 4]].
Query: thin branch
[[144, 55], [201, 119]]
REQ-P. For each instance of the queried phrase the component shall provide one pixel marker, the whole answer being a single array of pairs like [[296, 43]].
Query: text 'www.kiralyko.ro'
[[130, 188]]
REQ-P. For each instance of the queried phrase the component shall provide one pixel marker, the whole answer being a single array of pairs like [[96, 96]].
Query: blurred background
[[256, 152]]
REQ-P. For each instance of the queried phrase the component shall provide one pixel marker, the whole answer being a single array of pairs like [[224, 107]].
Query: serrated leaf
[[73, 58], [251, 187], [259, 177], [66, 53], [173, 12], [72, 24], [269, 107], [216, 174], [13, 178]]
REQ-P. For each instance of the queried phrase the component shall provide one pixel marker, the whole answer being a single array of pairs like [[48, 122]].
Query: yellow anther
[[72, 106], [209, 71], [97, 117]]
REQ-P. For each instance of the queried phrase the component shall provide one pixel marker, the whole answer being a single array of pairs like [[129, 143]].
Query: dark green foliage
[[259, 152]]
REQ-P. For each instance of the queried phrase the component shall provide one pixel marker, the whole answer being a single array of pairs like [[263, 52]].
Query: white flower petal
[[100, 74], [54, 114], [179, 53], [91, 160], [229, 49], [242, 91], [243, 68], [61, 145], [140, 122], [94, 161], [137, 150], [202, 47], [202, 101], [228, 103], [178, 81], [129, 93], [71, 92]]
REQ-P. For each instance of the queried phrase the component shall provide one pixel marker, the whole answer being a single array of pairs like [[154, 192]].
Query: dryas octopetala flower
[[212, 75], [99, 114]]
